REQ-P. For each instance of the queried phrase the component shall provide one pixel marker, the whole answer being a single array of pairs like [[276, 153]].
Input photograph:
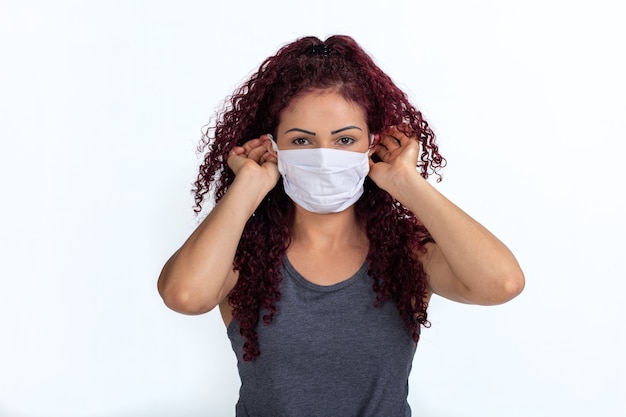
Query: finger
[[268, 143], [268, 157], [390, 142], [383, 153], [380, 150], [251, 144], [402, 137], [232, 160], [256, 153], [404, 140]]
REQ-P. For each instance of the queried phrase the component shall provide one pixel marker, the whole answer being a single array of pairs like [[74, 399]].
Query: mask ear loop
[[370, 148], [274, 145]]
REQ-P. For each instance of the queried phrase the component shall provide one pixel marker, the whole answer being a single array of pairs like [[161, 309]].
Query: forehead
[[322, 107]]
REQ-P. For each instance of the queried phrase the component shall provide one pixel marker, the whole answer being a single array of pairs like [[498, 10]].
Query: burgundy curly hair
[[395, 234]]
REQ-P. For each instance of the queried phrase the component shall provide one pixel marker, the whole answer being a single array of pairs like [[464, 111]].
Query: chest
[[333, 330], [325, 345]]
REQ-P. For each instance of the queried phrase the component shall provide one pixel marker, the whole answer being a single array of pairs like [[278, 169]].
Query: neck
[[326, 231]]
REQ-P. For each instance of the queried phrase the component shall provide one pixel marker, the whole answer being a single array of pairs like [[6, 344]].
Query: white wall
[[101, 106]]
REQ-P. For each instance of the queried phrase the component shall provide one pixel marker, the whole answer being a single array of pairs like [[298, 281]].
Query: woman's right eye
[[300, 141]]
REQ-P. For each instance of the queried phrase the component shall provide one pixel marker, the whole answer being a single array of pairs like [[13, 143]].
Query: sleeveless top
[[328, 352]]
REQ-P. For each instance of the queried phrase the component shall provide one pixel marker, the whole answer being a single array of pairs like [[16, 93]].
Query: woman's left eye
[[345, 141]]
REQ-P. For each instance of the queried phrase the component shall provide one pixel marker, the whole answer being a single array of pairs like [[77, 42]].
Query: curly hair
[[395, 234]]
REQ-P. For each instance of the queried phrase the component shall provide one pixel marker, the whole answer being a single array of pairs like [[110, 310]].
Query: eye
[[300, 141], [345, 140]]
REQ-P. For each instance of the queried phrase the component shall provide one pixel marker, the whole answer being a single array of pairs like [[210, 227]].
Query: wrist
[[403, 181], [408, 188], [255, 185]]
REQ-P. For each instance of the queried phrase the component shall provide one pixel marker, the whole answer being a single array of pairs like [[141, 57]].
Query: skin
[[468, 264]]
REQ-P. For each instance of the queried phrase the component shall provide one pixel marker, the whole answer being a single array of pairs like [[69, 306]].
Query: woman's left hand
[[467, 263], [398, 154]]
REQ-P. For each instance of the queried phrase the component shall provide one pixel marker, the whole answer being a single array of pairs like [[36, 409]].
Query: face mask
[[323, 180]]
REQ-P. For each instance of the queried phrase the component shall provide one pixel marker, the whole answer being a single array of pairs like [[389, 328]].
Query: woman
[[326, 243]]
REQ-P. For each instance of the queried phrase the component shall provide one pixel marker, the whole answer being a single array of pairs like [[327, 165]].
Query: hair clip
[[318, 50]]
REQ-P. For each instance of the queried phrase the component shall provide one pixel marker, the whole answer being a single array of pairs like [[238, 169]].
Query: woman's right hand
[[257, 160], [200, 275]]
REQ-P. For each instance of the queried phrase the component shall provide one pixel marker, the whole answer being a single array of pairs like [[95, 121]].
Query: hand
[[256, 158], [399, 154]]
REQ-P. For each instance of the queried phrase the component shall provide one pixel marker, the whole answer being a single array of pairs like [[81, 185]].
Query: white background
[[101, 106]]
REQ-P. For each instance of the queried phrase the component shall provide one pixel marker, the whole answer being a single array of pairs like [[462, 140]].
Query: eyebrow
[[297, 129], [345, 128]]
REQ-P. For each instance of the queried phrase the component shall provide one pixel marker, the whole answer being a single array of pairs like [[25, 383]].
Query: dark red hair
[[395, 234]]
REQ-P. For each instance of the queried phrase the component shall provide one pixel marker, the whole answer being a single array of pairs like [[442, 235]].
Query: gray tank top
[[328, 352]]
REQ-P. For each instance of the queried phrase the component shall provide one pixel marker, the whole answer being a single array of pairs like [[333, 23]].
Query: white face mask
[[323, 180]]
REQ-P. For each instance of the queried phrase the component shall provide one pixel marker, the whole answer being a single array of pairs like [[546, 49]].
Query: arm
[[467, 263], [200, 274]]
